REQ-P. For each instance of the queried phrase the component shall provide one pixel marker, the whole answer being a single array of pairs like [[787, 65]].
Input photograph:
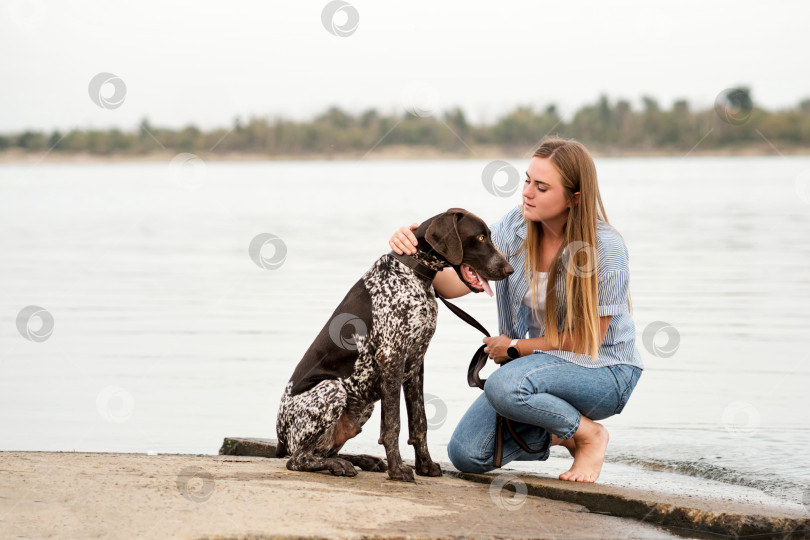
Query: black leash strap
[[463, 315], [479, 359], [421, 270], [477, 363]]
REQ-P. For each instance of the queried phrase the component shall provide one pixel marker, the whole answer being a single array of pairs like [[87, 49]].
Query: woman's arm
[[447, 282], [449, 285], [496, 346]]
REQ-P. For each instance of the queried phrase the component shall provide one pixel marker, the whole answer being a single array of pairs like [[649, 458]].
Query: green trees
[[611, 126]]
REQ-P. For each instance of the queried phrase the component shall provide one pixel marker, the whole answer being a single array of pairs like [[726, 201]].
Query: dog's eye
[[481, 237]]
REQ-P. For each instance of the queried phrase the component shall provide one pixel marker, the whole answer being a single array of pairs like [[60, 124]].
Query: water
[[167, 337]]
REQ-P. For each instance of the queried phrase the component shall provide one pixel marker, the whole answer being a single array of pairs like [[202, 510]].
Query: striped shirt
[[619, 345]]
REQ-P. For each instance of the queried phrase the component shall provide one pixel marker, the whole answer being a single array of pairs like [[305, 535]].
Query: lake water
[[168, 337]]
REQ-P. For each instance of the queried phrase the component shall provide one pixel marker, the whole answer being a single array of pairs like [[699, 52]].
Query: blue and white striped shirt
[[619, 345]]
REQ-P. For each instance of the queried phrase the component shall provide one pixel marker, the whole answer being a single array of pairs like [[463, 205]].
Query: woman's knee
[[465, 460], [500, 390]]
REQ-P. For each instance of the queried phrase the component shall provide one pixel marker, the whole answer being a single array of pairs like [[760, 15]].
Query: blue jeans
[[542, 394]]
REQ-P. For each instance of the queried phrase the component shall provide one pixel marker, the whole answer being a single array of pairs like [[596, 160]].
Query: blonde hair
[[577, 252]]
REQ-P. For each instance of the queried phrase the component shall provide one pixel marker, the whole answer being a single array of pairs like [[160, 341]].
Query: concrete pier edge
[[681, 514]]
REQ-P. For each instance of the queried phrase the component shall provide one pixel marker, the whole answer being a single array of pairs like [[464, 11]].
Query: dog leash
[[474, 379], [480, 357]]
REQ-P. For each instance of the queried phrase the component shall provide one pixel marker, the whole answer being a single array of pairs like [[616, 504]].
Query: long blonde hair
[[577, 252]]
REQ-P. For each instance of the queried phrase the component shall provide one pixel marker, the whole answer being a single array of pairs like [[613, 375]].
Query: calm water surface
[[167, 337]]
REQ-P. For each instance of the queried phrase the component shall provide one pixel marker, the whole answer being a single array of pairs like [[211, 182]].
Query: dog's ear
[[442, 235]]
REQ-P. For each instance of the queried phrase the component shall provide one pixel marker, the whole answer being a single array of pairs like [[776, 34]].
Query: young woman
[[570, 294]]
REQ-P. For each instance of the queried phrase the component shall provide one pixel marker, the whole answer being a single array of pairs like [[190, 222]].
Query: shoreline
[[15, 157]]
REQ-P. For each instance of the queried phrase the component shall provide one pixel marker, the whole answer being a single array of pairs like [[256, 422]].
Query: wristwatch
[[513, 351]]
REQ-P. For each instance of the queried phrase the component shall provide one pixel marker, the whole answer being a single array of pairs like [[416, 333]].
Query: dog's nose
[[508, 270]]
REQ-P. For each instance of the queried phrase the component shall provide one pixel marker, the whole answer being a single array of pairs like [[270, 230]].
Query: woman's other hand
[[404, 241], [496, 347]]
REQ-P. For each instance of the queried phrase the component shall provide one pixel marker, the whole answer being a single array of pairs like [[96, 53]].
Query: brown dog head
[[465, 242]]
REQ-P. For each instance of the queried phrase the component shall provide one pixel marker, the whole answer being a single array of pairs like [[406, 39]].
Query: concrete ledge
[[685, 515], [240, 446]]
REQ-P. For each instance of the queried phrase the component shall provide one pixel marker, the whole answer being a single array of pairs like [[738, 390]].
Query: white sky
[[205, 62]]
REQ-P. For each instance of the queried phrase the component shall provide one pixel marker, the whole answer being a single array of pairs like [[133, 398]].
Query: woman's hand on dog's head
[[404, 241]]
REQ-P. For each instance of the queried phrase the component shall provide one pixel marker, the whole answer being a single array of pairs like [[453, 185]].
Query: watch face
[[512, 352]]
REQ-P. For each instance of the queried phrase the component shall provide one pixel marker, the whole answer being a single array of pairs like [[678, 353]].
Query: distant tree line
[[605, 125]]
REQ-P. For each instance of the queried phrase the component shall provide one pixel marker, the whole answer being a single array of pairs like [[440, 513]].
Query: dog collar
[[419, 269]]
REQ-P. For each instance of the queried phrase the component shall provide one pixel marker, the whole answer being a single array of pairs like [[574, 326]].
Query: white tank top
[[534, 326]]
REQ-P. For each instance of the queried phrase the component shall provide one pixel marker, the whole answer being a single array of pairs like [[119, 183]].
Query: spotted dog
[[373, 345]]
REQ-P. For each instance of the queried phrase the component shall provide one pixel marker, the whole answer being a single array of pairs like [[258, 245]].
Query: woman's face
[[543, 194]]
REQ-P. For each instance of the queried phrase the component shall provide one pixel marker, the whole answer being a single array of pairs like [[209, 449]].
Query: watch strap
[[512, 351]]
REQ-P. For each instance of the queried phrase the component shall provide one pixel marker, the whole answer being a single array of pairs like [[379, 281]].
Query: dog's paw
[[428, 468], [402, 473], [341, 467]]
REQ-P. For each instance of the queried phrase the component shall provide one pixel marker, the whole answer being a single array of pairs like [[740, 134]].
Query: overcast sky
[[205, 62]]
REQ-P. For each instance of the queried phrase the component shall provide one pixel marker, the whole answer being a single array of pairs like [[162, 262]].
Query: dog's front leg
[[391, 367], [417, 424]]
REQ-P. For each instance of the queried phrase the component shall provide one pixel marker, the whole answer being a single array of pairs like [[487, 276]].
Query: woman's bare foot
[[590, 440], [569, 444]]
